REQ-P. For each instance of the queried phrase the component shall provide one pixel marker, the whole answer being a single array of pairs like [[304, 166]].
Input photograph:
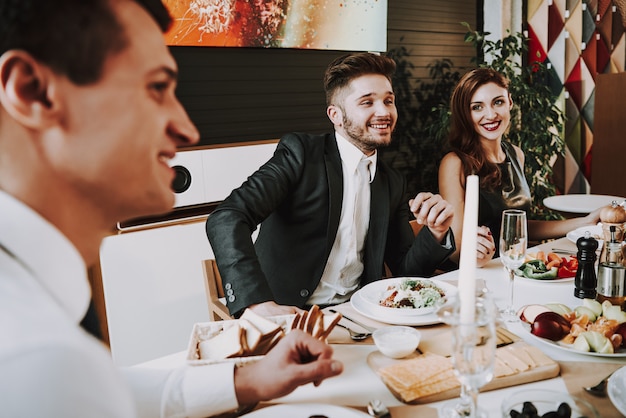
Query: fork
[[599, 389]]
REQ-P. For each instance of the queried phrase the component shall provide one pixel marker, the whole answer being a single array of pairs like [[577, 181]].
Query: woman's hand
[[486, 248]]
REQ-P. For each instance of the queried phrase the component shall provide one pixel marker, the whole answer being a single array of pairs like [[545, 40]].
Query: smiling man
[[331, 212], [88, 122]]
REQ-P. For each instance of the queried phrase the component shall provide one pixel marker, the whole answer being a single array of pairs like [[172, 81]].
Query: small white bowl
[[397, 341]]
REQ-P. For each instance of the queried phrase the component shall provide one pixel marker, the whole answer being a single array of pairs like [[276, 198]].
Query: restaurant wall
[[579, 40], [151, 277]]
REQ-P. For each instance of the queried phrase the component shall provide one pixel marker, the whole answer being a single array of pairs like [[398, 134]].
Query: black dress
[[513, 193]]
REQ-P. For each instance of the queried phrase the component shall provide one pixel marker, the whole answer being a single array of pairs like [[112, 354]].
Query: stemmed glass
[[473, 354], [513, 243]]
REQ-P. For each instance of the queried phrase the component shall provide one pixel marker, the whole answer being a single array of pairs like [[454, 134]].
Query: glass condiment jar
[[612, 273]]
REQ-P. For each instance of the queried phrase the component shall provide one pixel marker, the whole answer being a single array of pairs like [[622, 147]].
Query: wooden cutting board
[[547, 369]]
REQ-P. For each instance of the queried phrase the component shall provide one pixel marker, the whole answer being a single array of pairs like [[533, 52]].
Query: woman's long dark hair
[[463, 139]]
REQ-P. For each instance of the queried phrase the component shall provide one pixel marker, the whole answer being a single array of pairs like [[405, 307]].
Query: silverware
[[355, 335], [377, 409], [562, 251], [370, 329], [599, 389]]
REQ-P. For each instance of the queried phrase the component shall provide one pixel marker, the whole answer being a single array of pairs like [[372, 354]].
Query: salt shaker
[[586, 280]]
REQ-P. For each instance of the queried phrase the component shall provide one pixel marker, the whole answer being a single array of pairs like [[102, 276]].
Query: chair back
[[215, 293]]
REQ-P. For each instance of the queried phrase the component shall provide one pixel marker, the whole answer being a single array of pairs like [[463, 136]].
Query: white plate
[[373, 293], [620, 354], [579, 203], [594, 230], [367, 308], [306, 410], [617, 390], [557, 280]]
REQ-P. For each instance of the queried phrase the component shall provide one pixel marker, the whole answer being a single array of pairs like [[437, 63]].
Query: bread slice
[[252, 336], [330, 321], [267, 328], [223, 345]]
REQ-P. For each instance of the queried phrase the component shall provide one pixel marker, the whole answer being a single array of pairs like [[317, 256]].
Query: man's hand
[[297, 359], [271, 308], [431, 210]]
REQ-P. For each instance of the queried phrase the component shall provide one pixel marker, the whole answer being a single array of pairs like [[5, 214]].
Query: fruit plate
[[621, 353]]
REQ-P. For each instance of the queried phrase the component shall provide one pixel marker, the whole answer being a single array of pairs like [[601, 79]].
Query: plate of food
[[403, 300], [592, 329], [617, 390], [620, 353], [547, 268]]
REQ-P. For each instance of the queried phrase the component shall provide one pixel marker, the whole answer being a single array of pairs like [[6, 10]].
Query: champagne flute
[[473, 355], [513, 244]]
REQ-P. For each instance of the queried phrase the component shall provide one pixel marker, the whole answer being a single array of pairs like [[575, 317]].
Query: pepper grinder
[[586, 281]]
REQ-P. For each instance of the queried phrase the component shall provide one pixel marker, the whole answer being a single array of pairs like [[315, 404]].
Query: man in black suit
[[307, 198]]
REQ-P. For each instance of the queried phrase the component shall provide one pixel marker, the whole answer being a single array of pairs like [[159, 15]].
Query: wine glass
[[473, 355], [513, 243]]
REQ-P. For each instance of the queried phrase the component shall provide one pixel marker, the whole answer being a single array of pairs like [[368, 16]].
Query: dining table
[[360, 383]]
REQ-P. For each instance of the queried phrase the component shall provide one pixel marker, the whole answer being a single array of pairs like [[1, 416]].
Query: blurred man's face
[[122, 130]]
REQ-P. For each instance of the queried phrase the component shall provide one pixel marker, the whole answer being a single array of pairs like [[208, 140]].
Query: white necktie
[[361, 202]]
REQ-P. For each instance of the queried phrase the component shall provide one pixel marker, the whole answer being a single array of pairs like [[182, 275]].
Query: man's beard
[[360, 136]]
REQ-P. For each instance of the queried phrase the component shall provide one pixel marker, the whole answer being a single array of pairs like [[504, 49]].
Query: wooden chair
[[215, 293]]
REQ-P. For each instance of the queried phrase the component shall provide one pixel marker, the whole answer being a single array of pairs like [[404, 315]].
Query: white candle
[[467, 261]]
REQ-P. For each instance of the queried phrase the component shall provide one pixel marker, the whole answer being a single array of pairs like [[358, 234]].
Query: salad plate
[[366, 301], [555, 280], [617, 390]]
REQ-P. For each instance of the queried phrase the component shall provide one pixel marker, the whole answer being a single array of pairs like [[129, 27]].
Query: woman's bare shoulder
[[451, 160]]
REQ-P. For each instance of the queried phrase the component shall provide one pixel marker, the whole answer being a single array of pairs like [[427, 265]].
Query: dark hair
[[73, 37], [463, 138], [348, 67]]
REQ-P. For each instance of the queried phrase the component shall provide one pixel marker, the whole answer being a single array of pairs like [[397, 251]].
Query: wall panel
[[250, 94]]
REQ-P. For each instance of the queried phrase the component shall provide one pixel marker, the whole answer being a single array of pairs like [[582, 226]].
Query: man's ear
[[24, 88], [335, 115]]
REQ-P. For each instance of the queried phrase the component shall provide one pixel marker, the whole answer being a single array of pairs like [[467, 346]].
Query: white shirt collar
[[351, 155], [49, 256]]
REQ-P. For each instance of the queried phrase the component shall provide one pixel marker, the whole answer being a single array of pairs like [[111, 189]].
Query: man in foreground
[[332, 213], [88, 123]]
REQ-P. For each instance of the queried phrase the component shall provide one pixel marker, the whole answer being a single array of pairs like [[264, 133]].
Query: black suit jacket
[[296, 198]]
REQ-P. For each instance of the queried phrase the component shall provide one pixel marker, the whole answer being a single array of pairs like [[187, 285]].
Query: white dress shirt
[[345, 262], [49, 366]]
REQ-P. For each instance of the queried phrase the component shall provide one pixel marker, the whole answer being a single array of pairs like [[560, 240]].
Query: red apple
[[550, 325]]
